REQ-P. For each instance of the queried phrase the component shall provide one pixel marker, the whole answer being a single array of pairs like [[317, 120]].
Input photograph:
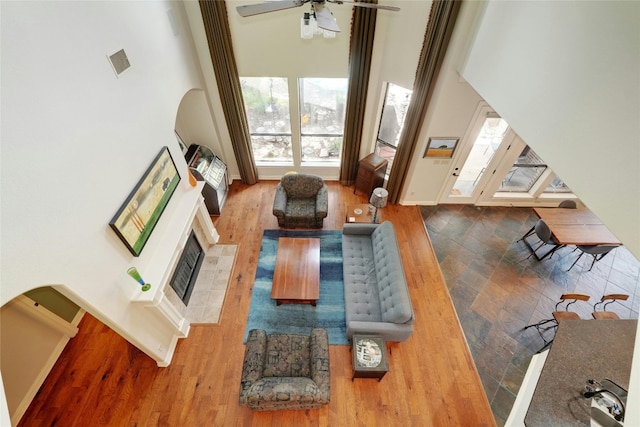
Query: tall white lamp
[[378, 200]]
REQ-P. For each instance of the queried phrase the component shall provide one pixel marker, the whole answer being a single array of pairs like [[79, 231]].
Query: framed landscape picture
[[441, 147], [140, 212]]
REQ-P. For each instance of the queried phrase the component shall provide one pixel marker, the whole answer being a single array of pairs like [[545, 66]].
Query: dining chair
[[560, 313], [528, 233], [596, 251], [605, 301], [568, 204], [543, 233]]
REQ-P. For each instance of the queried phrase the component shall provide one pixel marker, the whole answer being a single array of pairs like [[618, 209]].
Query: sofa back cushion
[[287, 356], [359, 272], [395, 303], [301, 185]]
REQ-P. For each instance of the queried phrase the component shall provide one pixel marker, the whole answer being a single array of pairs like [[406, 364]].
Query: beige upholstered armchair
[[285, 371], [302, 200]]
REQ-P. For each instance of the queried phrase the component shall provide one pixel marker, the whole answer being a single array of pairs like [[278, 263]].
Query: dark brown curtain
[[363, 26], [216, 25], [436, 40]]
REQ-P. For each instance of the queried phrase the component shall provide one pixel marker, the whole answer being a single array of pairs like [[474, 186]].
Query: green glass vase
[[133, 272]]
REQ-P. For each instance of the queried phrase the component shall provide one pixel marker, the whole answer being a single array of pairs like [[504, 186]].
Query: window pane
[[394, 111], [557, 186], [484, 147], [272, 148], [396, 103], [524, 173], [322, 105], [266, 100], [321, 148], [322, 109]]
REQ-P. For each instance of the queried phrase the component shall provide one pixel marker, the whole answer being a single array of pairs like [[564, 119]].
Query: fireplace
[[187, 268], [161, 306]]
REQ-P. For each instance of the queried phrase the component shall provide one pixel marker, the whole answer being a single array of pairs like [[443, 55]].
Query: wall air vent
[[119, 62]]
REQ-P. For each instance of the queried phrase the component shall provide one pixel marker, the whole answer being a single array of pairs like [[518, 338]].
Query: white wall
[[564, 75], [398, 41], [76, 139], [453, 106]]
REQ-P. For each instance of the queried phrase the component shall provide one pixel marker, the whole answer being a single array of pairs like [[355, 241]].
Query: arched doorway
[[35, 327]]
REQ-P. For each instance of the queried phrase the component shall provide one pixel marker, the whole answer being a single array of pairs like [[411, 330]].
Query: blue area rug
[[301, 318]]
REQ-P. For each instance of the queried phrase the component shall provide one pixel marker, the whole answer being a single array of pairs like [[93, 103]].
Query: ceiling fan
[[322, 14]]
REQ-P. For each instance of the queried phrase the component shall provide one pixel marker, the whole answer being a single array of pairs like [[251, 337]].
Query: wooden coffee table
[[296, 277]]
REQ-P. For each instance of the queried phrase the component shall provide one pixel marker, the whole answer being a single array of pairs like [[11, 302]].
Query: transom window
[[529, 171], [524, 173]]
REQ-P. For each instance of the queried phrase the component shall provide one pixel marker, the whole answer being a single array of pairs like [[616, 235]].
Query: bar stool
[[560, 313], [605, 301]]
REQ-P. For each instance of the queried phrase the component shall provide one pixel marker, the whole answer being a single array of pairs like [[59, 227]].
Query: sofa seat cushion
[[301, 208], [287, 356], [361, 301], [271, 389], [395, 303]]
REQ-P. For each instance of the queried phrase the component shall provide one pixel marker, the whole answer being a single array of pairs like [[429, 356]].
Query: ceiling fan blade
[[369, 5], [325, 18], [258, 8]]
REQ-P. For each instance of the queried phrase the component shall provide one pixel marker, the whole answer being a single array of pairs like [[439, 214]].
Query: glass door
[[476, 158], [484, 147]]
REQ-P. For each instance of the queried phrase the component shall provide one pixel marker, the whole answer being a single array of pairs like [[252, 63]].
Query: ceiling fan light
[[306, 29], [328, 34], [314, 24]]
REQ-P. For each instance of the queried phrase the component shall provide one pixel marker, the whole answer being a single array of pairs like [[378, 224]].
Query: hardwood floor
[[100, 379]]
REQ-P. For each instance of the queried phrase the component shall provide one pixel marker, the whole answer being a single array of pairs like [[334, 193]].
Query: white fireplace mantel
[[158, 261]]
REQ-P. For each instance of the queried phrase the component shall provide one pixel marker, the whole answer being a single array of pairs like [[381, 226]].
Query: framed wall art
[[441, 147], [140, 212]]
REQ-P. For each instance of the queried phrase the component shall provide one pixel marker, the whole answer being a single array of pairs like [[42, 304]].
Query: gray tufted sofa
[[376, 295]]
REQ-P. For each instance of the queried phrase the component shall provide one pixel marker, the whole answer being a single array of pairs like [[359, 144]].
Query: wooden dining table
[[576, 227]]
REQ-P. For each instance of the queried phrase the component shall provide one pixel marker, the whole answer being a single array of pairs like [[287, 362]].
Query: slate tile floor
[[497, 291]]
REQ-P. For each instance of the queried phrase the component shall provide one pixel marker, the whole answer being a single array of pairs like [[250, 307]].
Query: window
[[322, 109], [529, 171], [266, 100], [270, 112], [394, 111], [524, 173], [557, 186]]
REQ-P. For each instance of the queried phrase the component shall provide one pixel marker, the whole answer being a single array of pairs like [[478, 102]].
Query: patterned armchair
[[285, 371], [302, 200]]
